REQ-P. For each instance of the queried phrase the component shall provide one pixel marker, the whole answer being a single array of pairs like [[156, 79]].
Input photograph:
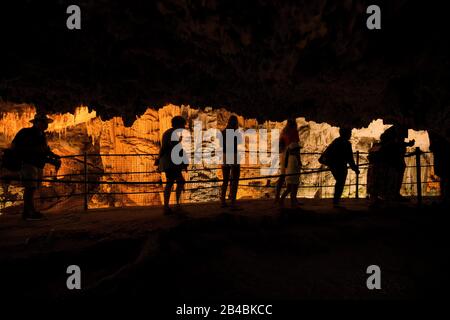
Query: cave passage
[[119, 154]]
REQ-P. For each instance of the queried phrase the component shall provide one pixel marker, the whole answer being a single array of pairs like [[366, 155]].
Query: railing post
[[418, 177], [357, 175], [85, 191]]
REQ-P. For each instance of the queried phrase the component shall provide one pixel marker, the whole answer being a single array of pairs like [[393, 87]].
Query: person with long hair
[[288, 135], [293, 165]]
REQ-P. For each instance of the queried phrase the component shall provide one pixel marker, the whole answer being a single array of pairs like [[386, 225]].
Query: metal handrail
[[85, 182]]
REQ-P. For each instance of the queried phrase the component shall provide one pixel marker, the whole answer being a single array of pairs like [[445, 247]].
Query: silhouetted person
[[440, 146], [375, 174], [293, 166], [231, 168], [171, 169], [30, 145], [393, 150], [337, 155], [288, 135]]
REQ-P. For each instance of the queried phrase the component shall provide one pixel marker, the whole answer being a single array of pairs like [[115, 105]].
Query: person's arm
[[165, 140], [161, 150], [238, 141], [286, 158], [410, 143], [50, 153], [299, 161], [410, 154], [281, 144], [350, 159], [50, 157]]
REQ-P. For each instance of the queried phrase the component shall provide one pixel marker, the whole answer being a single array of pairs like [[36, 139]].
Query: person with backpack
[[27, 156], [337, 156], [394, 149], [172, 169]]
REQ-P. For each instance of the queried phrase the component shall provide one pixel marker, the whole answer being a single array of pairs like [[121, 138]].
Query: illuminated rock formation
[[113, 149]]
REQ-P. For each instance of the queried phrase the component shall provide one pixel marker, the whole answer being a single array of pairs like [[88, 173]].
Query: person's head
[[291, 123], [178, 122], [233, 122], [388, 135], [41, 121], [345, 133], [402, 132]]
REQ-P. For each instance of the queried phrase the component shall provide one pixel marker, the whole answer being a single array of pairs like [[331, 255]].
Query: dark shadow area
[[286, 255]]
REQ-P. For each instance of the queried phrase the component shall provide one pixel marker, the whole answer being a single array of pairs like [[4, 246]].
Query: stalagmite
[[83, 131]]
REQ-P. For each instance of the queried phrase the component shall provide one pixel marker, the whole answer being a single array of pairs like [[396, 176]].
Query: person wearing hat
[[30, 145]]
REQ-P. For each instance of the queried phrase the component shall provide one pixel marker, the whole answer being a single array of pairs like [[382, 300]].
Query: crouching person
[[31, 149]]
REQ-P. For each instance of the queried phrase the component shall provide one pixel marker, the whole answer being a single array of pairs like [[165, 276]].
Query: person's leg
[[279, 185], [381, 183], [340, 174], [37, 185], [294, 190], [168, 190], [335, 174], [281, 179], [394, 177], [373, 180], [390, 180], [28, 202], [374, 185], [226, 177], [284, 194], [180, 187], [31, 177], [235, 174], [398, 186]]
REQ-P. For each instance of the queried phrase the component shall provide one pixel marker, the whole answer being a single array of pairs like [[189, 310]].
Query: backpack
[[326, 156], [11, 160], [375, 154]]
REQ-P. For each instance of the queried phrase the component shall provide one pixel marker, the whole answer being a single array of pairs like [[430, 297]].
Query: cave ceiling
[[262, 59]]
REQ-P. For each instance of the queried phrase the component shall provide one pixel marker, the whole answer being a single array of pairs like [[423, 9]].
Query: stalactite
[[69, 133]]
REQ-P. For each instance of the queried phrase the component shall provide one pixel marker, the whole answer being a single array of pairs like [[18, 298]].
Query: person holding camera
[[31, 150]]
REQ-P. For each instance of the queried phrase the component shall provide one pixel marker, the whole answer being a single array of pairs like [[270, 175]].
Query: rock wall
[[113, 150]]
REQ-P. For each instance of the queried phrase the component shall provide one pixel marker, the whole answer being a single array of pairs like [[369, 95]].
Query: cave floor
[[260, 252]]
